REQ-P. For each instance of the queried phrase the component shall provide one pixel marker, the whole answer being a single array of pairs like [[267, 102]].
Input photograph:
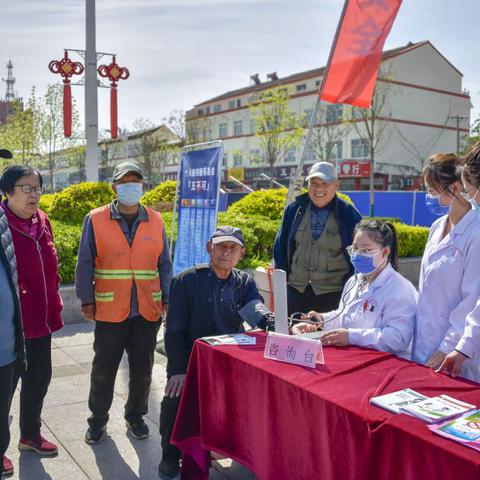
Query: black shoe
[[168, 470], [95, 435], [138, 429]]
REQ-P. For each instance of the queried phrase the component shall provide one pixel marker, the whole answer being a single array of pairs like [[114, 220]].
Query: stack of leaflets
[[396, 400], [437, 409], [465, 429], [234, 339]]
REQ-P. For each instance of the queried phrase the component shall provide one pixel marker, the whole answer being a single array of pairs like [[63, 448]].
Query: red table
[[288, 422]]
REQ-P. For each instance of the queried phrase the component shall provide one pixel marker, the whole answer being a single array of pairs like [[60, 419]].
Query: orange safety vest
[[118, 265]]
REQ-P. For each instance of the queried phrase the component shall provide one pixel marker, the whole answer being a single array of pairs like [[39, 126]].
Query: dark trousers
[[137, 337], [6, 393], [306, 301], [168, 413], [35, 381]]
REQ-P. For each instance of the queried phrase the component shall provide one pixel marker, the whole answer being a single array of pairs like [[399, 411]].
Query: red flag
[[357, 53]]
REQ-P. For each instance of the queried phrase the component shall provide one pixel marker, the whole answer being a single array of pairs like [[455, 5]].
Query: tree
[[151, 142], [189, 132], [329, 129], [112, 151], [371, 124], [474, 136], [50, 121], [276, 126], [77, 158], [20, 133]]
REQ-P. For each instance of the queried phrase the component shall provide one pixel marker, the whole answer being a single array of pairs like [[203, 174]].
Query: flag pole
[[297, 181]]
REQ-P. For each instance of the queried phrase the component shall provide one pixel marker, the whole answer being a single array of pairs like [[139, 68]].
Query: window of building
[[334, 113], [225, 159], [335, 150], [207, 110], [360, 148], [310, 155], [301, 87], [317, 83], [253, 127], [223, 130], [231, 104], [255, 157], [357, 113], [217, 108], [291, 156], [238, 127], [237, 159], [239, 102], [200, 111]]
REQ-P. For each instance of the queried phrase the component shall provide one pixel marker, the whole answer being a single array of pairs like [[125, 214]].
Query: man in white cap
[[316, 229]]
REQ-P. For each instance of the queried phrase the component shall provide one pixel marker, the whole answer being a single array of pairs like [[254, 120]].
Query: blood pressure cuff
[[257, 315]]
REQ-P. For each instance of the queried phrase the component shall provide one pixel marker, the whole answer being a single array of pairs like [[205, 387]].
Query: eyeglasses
[[30, 188], [369, 253]]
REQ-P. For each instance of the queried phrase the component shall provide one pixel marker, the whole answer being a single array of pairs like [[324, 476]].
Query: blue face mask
[[363, 263], [129, 194], [434, 205]]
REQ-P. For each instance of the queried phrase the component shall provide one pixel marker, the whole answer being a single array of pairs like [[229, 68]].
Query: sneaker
[[168, 470], [38, 445], [95, 435], [138, 429], [7, 468]]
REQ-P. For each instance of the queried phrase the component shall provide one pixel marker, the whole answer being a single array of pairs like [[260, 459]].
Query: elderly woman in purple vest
[[41, 304]]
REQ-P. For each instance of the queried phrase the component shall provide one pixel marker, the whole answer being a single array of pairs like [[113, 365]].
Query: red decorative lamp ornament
[[114, 73], [66, 68]]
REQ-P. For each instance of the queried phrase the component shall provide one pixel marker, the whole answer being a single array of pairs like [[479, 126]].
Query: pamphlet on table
[[233, 339], [395, 400], [437, 409], [465, 429]]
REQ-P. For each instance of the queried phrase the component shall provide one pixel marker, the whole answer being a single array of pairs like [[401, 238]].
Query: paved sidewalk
[[119, 456]]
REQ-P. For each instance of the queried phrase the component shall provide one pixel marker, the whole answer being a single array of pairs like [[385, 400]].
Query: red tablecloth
[[288, 422]]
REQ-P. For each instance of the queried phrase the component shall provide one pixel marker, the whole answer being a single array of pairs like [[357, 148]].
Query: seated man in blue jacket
[[207, 299], [316, 229]]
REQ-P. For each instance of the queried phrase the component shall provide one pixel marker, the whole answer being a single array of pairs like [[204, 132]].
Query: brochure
[[437, 409], [395, 400], [465, 429], [233, 339]]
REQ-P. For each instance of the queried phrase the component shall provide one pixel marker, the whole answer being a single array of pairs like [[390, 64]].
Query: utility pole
[[91, 95]]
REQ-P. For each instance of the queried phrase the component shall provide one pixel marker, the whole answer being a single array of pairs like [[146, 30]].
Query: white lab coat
[[449, 290], [380, 315]]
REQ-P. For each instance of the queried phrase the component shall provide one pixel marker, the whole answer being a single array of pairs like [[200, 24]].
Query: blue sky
[[181, 52]]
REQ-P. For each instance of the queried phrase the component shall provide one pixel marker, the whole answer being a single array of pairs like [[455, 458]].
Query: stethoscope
[[360, 280]]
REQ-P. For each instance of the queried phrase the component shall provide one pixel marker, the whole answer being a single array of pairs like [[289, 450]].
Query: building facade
[[420, 108]]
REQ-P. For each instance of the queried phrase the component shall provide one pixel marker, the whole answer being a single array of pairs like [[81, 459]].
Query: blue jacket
[[347, 217]]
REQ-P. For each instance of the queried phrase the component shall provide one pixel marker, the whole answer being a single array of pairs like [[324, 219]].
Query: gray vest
[[320, 263]]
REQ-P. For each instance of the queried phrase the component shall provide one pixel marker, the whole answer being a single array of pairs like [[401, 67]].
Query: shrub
[[411, 240], [66, 238], [46, 202], [161, 197], [74, 202], [267, 203]]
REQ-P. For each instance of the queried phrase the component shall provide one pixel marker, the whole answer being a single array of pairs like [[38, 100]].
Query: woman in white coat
[[377, 308], [449, 285], [469, 344]]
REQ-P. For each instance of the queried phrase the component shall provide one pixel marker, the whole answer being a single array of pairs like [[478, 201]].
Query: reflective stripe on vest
[[118, 265]]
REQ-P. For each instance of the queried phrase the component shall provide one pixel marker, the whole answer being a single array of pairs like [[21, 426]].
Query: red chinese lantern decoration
[[114, 73], [66, 68]]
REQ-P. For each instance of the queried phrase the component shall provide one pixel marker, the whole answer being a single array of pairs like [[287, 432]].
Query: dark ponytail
[[384, 234]]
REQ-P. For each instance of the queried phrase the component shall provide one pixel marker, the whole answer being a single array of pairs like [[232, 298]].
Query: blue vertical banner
[[198, 198]]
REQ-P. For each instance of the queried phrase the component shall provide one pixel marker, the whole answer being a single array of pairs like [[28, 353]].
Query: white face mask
[[472, 200], [129, 194]]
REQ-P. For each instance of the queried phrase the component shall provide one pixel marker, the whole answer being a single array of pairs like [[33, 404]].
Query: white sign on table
[[293, 349]]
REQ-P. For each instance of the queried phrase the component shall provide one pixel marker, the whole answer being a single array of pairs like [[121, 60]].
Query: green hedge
[[73, 203], [267, 203], [258, 215], [161, 197]]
